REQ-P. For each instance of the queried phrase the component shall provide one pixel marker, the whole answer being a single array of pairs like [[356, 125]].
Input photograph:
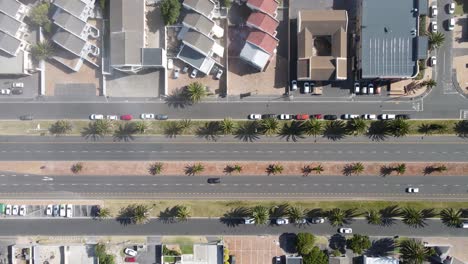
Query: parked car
[[282, 221], [403, 116], [214, 180], [15, 210], [147, 116], [49, 210], [194, 73], [175, 74], [112, 117], [249, 221], [412, 190], [433, 61], [378, 90], [317, 220], [433, 11], [161, 117], [265, 116], [69, 210], [8, 209], [451, 24], [130, 252], [330, 117], [255, 116], [371, 88], [302, 117], [293, 85], [278, 260], [386, 117], [219, 74], [357, 89], [364, 89], [130, 259], [17, 91], [301, 221], [369, 116], [56, 210], [349, 116], [306, 88], [63, 210], [285, 117], [317, 116], [5, 91], [26, 117], [17, 85], [346, 230], [126, 117], [96, 117], [451, 8], [434, 26], [22, 210], [170, 64]]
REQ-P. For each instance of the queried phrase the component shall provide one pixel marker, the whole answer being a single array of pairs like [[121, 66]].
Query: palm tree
[[416, 218], [184, 125], [103, 213], [318, 169], [77, 167], [399, 127], [425, 129], [182, 212], [270, 126], [357, 168], [312, 127], [155, 168], [429, 83], [295, 213], [400, 168], [42, 50], [60, 127], [358, 126], [124, 132], [338, 217], [140, 214], [172, 129], [461, 128], [194, 169], [141, 127], [227, 126], [274, 169], [237, 168], [97, 129], [414, 252], [440, 168], [335, 130], [260, 214], [195, 92], [374, 217], [436, 39], [451, 217]]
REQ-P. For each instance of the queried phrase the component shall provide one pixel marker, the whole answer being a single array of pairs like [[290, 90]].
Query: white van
[[464, 225]]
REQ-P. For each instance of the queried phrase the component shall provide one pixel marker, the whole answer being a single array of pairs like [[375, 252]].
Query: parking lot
[[254, 249], [36, 211], [30, 83]]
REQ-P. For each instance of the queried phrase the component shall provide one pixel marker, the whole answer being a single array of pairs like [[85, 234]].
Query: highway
[[233, 187], [206, 227], [192, 148]]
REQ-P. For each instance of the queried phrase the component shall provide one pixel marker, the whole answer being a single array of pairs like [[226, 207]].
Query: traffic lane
[[237, 151], [83, 227]]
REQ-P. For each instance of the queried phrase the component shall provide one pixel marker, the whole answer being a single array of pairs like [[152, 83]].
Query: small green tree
[[60, 127], [374, 217], [436, 39], [270, 126], [260, 214], [103, 213], [227, 126], [39, 16], [316, 256], [312, 127], [195, 92], [184, 125], [141, 127], [42, 50], [170, 11], [357, 126], [400, 168], [318, 169], [357, 168], [399, 127], [274, 169], [451, 217], [183, 213], [305, 243], [414, 252], [77, 167], [429, 83], [155, 168], [194, 169], [359, 243]]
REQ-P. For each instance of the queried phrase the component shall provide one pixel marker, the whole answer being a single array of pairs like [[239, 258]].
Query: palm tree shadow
[[279, 211], [172, 130], [248, 132], [210, 131], [234, 217], [461, 129], [178, 99], [316, 212], [348, 170], [125, 216], [389, 213], [381, 247], [168, 215], [385, 171], [124, 133], [334, 130], [90, 132], [292, 131], [378, 131]]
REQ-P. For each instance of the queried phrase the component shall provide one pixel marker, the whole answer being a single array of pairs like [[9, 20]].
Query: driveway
[[148, 83]]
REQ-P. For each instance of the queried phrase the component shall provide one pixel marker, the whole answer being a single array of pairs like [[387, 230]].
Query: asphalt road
[[233, 187], [206, 227]]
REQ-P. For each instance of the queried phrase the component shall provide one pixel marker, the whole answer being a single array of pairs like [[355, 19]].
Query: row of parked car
[[63, 210], [450, 8], [327, 117], [16, 88], [144, 116], [15, 210], [366, 89], [285, 221]]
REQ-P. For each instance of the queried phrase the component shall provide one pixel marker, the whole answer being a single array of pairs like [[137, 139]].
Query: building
[[265, 6], [204, 7], [259, 48], [293, 260], [203, 24], [322, 45], [263, 22], [380, 260], [390, 48], [202, 254], [128, 51]]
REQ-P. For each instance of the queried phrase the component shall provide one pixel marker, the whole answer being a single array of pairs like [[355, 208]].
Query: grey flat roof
[[8, 43], [423, 46], [191, 56], [11, 64], [74, 7], [199, 22], [8, 24], [199, 41], [10, 7], [387, 48], [152, 56], [68, 22], [69, 41], [204, 7]]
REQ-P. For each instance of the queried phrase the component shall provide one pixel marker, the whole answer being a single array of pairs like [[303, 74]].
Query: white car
[[176, 74], [96, 117], [112, 117], [356, 88], [255, 116], [412, 190], [22, 210], [49, 210], [318, 220], [63, 212], [170, 64], [433, 11], [369, 117], [364, 90], [451, 24], [306, 88], [451, 8], [346, 230], [434, 26], [130, 252], [371, 88], [387, 117], [69, 210], [5, 91], [219, 74], [282, 221], [293, 85], [8, 209], [349, 116], [285, 117], [15, 210], [301, 221], [433, 61], [249, 221], [194, 73], [147, 116], [17, 85]]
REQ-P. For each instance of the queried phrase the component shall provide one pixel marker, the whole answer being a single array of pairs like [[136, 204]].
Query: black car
[[330, 117], [214, 180], [402, 116], [26, 117], [17, 91], [265, 116], [161, 117]]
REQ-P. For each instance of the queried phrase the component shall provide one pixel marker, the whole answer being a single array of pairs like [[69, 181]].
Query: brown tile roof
[[263, 41], [263, 22], [322, 22], [266, 6]]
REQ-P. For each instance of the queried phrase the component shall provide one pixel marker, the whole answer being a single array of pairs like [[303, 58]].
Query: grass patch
[[169, 259], [461, 7]]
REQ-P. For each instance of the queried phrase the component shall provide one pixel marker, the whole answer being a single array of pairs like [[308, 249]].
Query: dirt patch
[[254, 249]]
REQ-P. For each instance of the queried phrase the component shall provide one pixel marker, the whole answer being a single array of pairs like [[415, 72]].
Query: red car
[[130, 259], [302, 117], [317, 116], [126, 117]]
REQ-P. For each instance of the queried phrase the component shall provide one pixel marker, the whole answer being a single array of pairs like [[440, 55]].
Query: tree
[[184, 125], [237, 168], [359, 243], [140, 214], [338, 217], [270, 126], [312, 127], [425, 129], [39, 16], [182, 212], [77, 167], [295, 213], [400, 168], [60, 127], [101, 254], [194, 169], [461, 128], [357, 126], [374, 217], [357, 168], [318, 169], [140, 127], [103, 213], [316, 256], [97, 129], [414, 252], [429, 83], [195, 91], [260, 214], [305, 243], [416, 218], [293, 131], [155, 168], [42, 50], [274, 169], [226, 3], [399, 127], [170, 11], [124, 132], [227, 126], [451, 217], [436, 39]]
